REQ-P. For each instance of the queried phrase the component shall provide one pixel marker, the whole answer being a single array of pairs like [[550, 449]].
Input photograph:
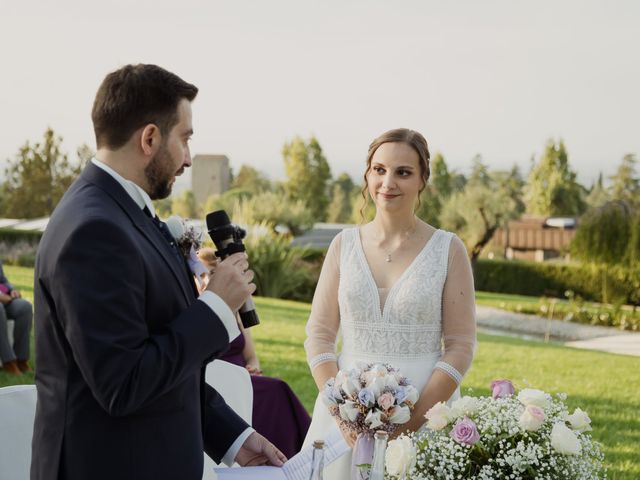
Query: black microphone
[[228, 240]]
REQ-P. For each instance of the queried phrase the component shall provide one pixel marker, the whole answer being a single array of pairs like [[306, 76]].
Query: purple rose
[[502, 388], [465, 431], [401, 394]]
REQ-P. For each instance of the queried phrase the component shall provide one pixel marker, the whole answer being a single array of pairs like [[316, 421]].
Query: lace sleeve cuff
[[451, 371], [322, 358]]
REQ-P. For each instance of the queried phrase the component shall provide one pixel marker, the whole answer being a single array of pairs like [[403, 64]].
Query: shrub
[[608, 284], [281, 270]]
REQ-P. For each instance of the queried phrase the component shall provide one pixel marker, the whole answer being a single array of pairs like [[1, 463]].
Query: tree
[[598, 195], [475, 214], [626, 183], [608, 234], [37, 178], [552, 186], [250, 179], [308, 175], [269, 207], [440, 187], [340, 208], [185, 205]]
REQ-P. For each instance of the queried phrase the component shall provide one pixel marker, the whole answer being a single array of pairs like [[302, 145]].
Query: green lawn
[[607, 386]]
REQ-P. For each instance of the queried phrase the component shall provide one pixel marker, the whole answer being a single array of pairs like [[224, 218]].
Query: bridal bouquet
[[370, 397], [526, 436], [365, 399]]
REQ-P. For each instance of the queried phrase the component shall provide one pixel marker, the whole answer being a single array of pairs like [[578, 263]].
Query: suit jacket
[[121, 347], [4, 280]]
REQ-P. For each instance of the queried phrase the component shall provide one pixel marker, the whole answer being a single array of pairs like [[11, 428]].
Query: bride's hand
[[349, 436]]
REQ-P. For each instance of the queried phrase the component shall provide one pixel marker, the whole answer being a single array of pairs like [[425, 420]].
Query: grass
[[607, 386]]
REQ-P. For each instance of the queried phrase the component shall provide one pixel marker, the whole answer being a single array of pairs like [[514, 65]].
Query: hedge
[[591, 282]]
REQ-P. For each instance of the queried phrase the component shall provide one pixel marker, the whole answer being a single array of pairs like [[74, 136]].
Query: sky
[[497, 78]]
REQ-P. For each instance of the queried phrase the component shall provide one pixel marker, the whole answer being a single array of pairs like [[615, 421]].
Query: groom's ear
[[150, 139]]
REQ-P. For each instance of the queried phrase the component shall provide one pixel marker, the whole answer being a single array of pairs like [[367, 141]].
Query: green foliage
[[308, 175], [272, 208], [439, 188], [608, 234], [228, 201], [251, 180], [598, 195], [486, 203], [626, 183], [341, 205], [590, 282], [279, 267], [37, 178], [185, 205], [552, 188]]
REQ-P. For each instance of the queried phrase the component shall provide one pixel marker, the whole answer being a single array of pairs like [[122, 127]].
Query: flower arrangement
[[370, 397], [526, 436]]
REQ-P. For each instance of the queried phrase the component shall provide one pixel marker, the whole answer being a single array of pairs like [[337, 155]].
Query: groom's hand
[[232, 280], [257, 450]]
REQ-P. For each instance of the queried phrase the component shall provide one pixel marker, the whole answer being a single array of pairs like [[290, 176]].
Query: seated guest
[[15, 358], [277, 413]]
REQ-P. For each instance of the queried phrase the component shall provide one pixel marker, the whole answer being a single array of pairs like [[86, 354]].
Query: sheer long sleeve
[[324, 321], [458, 314]]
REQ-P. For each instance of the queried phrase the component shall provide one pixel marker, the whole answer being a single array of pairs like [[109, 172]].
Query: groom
[[122, 342]]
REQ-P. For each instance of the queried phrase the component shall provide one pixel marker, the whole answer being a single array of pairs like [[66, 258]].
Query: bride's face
[[394, 177]]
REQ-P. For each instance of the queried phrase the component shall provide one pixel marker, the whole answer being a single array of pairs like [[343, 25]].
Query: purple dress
[[278, 415]]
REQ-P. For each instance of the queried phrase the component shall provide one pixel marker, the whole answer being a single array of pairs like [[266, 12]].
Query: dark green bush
[[613, 284]]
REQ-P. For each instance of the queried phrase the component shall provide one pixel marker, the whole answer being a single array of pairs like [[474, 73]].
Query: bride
[[399, 290]]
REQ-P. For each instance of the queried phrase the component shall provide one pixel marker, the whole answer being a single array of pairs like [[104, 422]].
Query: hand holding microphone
[[232, 281], [228, 240]]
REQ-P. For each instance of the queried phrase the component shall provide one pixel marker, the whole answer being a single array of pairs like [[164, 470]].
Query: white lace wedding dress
[[402, 326]]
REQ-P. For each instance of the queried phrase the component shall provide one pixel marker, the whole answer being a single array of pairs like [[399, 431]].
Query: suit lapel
[[142, 223]]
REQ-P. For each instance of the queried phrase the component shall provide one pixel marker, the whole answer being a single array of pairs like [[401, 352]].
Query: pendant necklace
[[408, 234]]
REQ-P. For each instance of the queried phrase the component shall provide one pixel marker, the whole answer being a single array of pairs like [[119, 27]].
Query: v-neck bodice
[[409, 323]]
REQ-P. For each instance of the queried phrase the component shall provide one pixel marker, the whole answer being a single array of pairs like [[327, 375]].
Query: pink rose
[[465, 431], [386, 401], [502, 388]]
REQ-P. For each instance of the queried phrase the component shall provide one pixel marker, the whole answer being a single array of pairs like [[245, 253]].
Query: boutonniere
[[188, 238]]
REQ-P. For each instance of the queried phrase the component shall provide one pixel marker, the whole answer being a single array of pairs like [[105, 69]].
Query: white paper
[[296, 468], [251, 473]]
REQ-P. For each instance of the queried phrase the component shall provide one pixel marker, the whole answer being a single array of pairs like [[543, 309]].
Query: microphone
[[228, 240]]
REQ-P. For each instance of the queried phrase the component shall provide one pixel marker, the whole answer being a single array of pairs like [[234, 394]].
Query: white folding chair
[[234, 384], [17, 412]]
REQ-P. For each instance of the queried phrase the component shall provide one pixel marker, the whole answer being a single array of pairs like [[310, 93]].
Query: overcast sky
[[492, 77]]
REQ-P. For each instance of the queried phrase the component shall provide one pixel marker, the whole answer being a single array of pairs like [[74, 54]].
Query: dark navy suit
[[121, 346]]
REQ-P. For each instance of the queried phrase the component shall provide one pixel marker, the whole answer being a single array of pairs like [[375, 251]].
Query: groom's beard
[[159, 178]]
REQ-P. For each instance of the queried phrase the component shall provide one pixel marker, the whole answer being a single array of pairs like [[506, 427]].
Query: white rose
[[530, 396], [377, 385], [339, 379], [349, 387], [564, 441], [463, 406], [400, 415], [379, 370], [438, 416], [391, 382], [400, 456], [348, 411], [532, 418], [412, 393], [579, 420], [373, 418]]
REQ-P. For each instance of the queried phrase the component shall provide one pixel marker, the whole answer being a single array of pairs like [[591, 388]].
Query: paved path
[[606, 339]]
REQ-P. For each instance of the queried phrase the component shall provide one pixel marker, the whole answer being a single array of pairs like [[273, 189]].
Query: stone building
[[210, 175]]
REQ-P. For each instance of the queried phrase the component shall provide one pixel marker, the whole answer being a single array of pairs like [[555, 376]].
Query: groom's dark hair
[[134, 96]]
